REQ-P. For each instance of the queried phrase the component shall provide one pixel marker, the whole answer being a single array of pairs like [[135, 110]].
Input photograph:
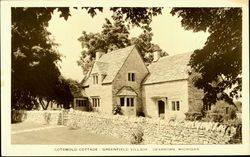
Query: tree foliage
[[115, 36], [140, 17], [34, 58], [219, 62]]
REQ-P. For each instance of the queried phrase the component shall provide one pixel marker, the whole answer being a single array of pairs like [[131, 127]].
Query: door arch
[[161, 107]]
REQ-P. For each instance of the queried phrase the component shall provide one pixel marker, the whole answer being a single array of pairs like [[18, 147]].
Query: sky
[[167, 30]]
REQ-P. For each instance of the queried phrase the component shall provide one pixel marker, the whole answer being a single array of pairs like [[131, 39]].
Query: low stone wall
[[155, 131], [53, 117]]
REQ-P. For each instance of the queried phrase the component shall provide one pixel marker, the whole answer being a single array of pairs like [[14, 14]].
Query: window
[[207, 107], [131, 77], [95, 79], [81, 103], [130, 102], [175, 106], [122, 101], [96, 102]]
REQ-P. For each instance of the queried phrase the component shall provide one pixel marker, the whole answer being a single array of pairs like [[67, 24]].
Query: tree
[[145, 46], [33, 58], [114, 36], [140, 17], [219, 62], [64, 94]]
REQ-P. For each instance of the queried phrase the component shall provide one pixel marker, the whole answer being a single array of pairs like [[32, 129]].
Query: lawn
[[26, 126], [59, 135]]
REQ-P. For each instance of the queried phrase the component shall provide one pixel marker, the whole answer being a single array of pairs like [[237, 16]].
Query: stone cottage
[[168, 89], [121, 78]]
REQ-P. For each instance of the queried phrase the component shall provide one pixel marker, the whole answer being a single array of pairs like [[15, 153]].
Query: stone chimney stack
[[98, 55], [156, 56]]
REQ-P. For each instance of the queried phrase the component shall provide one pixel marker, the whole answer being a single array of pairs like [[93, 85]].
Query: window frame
[[176, 105], [96, 102], [122, 104], [81, 103], [130, 102], [131, 76], [95, 79]]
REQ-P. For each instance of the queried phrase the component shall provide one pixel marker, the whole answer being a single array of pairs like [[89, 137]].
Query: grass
[[62, 135], [25, 126]]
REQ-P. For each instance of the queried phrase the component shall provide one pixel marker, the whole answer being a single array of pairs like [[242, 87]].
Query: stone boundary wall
[[53, 117], [155, 131]]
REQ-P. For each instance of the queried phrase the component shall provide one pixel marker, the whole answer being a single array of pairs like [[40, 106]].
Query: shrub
[[192, 116], [226, 110], [231, 113], [137, 136], [140, 114], [90, 108], [237, 138], [220, 112], [233, 122], [117, 110], [18, 116], [214, 117]]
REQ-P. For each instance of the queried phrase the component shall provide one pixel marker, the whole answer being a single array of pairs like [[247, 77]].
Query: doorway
[[161, 107]]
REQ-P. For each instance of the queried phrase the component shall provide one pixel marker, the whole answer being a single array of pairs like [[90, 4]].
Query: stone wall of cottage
[[155, 131], [104, 92], [195, 96], [170, 91], [133, 64]]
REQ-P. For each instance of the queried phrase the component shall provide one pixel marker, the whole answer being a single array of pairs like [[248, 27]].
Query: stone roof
[[78, 93], [101, 67], [126, 91], [169, 68], [110, 64]]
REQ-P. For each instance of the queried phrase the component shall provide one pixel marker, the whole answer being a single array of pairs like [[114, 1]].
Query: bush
[[18, 116], [233, 122], [226, 110], [192, 116], [214, 117], [117, 110], [141, 114], [237, 138], [220, 112], [90, 108], [137, 136]]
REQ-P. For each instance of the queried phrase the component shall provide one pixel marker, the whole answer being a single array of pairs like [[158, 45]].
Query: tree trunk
[[45, 107]]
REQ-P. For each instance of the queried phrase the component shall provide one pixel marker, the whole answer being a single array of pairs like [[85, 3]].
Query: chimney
[[98, 55], [156, 56]]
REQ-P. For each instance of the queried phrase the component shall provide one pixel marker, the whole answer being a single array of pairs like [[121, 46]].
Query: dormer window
[[131, 77], [95, 79]]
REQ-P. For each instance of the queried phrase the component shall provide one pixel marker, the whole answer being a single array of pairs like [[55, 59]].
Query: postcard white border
[[43, 150]]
